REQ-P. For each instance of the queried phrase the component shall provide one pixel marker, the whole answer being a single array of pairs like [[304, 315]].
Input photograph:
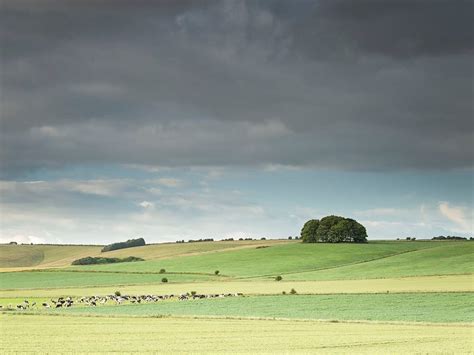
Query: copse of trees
[[333, 229], [449, 237], [122, 245], [89, 260]]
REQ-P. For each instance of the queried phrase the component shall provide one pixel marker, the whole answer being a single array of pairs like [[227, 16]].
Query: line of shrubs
[[122, 245], [449, 237], [89, 260]]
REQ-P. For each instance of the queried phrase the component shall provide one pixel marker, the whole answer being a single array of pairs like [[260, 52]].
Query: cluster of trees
[[333, 229], [449, 237], [122, 245], [200, 240], [89, 260]]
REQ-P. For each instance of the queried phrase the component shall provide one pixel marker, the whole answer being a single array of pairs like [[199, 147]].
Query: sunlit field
[[384, 296]]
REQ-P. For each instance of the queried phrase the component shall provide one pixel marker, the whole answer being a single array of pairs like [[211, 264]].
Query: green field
[[419, 294], [278, 259], [419, 307], [57, 279]]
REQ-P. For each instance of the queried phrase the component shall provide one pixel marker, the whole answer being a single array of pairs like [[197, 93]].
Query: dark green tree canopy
[[309, 231], [333, 229]]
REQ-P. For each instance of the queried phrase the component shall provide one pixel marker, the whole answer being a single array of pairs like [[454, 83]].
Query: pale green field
[[26, 333], [450, 283], [42, 256]]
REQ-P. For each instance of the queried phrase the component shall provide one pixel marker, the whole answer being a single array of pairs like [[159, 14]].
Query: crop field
[[26, 333], [379, 297]]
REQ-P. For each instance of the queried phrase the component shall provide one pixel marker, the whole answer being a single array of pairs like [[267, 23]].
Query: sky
[[175, 120]]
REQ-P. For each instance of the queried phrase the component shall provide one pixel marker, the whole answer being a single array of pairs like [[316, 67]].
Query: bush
[[293, 291], [89, 260], [193, 293], [278, 278], [216, 272], [117, 293], [283, 293], [408, 238], [263, 238], [162, 271], [290, 238], [122, 245], [164, 280]]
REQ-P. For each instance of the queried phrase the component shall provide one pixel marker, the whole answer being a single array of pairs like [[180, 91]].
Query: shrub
[[283, 293], [162, 271], [216, 272], [278, 278], [193, 293], [122, 245], [117, 293], [290, 238], [293, 291], [164, 280], [408, 238], [263, 238]]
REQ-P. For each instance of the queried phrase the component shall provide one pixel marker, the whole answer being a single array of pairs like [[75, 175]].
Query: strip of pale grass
[[26, 333], [453, 283]]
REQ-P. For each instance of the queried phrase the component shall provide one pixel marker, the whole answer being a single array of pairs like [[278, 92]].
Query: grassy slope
[[420, 307], [26, 333], [46, 256], [170, 250], [279, 259], [441, 260], [43, 256]]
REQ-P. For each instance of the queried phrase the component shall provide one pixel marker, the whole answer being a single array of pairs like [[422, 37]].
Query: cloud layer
[[345, 85]]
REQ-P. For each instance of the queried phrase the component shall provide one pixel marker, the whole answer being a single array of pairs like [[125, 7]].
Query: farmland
[[383, 296]]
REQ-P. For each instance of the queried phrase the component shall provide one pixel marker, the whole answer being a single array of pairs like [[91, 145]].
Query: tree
[[309, 231], [334, 229]]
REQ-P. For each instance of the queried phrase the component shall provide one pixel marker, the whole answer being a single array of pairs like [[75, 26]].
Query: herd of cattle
[[93, 301]]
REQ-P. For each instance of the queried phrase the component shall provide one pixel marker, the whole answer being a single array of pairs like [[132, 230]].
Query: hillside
[[24, 257], [292, 258]]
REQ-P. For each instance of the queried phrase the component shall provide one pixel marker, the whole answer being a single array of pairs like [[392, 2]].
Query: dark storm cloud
[[364, 85]]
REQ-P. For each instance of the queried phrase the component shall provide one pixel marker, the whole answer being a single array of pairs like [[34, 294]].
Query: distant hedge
[[122, 245], [89, 260]]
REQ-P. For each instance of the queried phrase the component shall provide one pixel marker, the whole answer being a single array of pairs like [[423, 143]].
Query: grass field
[[26, 333], [57, 279], [275, 260], [420, 294], [419, 307], [46, 256]]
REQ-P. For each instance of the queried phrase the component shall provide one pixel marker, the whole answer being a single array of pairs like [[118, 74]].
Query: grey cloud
[[335, 84]]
